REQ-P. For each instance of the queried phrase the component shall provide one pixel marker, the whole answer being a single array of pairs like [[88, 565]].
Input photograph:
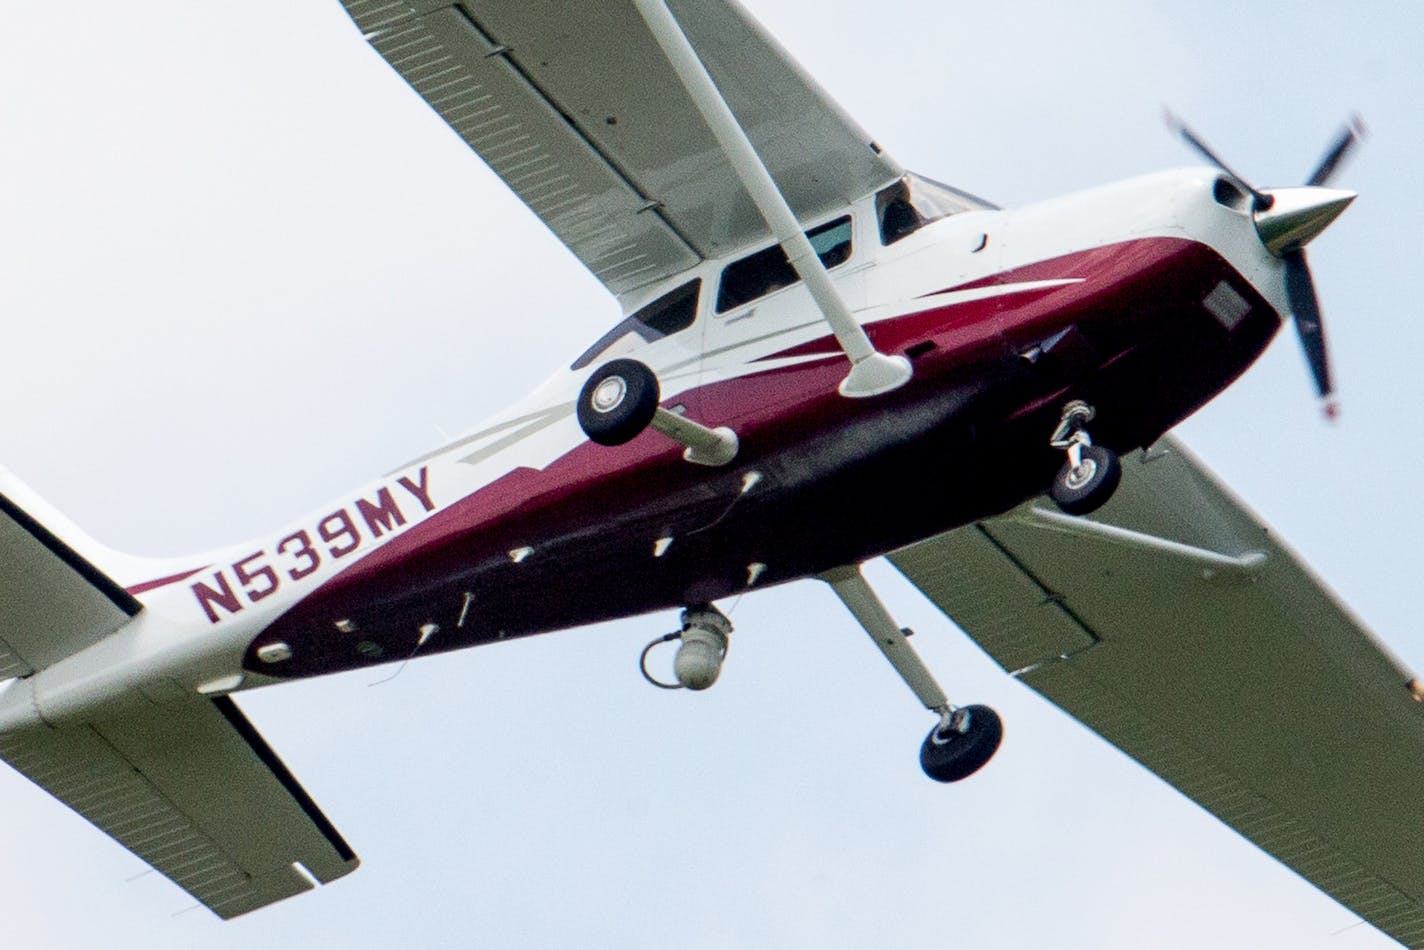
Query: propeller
[[1287, 219]]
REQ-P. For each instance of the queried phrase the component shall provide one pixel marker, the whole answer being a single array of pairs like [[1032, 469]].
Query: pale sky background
[[243, 268]]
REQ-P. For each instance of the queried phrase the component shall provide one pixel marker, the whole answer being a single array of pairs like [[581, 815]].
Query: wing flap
[[577, 111], [192, 789], [1252, 690], [534, 148]]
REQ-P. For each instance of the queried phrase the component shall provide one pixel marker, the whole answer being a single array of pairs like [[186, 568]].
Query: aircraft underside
[[1146, 337]]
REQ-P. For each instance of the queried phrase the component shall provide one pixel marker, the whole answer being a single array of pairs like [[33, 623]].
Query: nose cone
[[1297, 215]]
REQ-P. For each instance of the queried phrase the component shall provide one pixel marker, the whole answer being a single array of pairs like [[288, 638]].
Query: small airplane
[[825, 358]]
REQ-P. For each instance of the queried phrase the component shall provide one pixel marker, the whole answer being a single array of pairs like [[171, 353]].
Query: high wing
[[191, 788], [575, 107], [1174, 625]]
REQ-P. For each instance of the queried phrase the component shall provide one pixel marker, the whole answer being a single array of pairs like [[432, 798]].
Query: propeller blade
[[1305, 307], [1261, 200], [1354, 130]]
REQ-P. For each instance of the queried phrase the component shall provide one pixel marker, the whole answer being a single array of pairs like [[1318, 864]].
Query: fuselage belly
[[608, 532]]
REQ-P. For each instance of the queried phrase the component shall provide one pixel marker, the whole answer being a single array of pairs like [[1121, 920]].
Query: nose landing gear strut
[[1092, 472]]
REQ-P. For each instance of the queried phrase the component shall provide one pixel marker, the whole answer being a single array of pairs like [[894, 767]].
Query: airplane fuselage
[[1144, 298]]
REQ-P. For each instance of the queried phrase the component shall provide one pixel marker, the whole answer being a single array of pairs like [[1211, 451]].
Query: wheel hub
[[609, 394], [1081, 474]]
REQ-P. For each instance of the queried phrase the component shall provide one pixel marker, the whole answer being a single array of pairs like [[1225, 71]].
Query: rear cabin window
[[768, 270], [671, 313]]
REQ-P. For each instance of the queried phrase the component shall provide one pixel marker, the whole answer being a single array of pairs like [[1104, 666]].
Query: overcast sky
[[243, 268]]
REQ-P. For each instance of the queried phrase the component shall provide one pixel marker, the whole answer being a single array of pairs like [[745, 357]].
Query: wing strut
[[872, 372]]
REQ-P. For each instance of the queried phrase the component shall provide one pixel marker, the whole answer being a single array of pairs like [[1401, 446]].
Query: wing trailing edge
[[192, 789], [1175, 625]]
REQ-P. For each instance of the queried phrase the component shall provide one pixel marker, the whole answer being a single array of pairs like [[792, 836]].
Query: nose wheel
[[1092, 472]]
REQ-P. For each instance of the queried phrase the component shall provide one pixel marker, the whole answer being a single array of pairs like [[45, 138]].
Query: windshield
[[915, 201]]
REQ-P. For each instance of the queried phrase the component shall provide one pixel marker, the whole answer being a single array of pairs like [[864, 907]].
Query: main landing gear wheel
[[1092, 472], [966, 736], [961, 744], [618, 402]]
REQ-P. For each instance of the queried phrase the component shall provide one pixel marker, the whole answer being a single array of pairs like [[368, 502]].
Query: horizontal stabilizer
[[53, 601], [192, 789]]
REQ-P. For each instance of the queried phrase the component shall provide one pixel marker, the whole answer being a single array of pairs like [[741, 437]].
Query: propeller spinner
[[1287, 219]]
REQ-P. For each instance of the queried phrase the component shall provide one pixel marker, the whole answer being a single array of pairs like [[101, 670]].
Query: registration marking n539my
[[301, 553]]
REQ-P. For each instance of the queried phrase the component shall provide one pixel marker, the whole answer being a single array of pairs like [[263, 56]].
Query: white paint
[[199, 275]]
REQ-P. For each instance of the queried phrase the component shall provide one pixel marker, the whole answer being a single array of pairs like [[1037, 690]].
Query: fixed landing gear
[[1091, 474], [617, 402], [620, 400], [961, 743], [966, 737]]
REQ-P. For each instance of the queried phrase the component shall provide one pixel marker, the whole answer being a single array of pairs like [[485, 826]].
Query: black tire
[[614, 413], [950, 756], [1087, 488]]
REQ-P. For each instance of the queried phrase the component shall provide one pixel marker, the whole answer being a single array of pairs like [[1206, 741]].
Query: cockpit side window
[[768, 270], [671, 313], [914, 201]]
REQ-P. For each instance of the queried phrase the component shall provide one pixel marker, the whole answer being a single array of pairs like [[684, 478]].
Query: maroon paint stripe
[[156, 583]]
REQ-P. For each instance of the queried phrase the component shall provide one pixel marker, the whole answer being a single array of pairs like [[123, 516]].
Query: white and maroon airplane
[[825, 358]]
